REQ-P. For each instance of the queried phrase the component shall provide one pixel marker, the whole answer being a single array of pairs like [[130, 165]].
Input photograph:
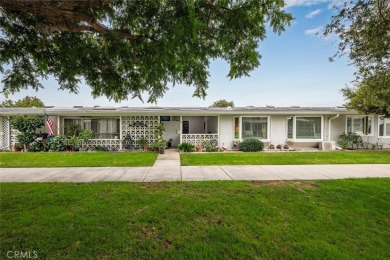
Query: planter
[[198, 149], [161, 151], [146, 148], [16, 149]]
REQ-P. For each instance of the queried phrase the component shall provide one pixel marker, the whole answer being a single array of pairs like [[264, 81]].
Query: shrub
[[209, 146], [350, 141], [99, 148], [58, 144], [251, 145], [186, 147], [26, 125]]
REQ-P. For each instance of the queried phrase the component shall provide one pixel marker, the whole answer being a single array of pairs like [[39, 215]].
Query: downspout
[[329, 125]]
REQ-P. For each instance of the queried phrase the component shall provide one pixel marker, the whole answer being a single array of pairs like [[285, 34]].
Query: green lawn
[[285, 158], [338, 219], [76, 159]]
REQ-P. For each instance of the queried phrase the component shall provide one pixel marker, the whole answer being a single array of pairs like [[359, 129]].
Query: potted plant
[[198, 148], [159, 145], [169, 143], [16, 147], [143, 144]]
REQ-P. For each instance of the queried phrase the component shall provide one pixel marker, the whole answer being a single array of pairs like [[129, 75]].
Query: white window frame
[[360, 116], [384, 127], [268, 127], [234, 127], [295, 129]]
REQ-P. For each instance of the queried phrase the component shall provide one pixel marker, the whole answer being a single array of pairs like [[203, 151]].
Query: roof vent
[[229, 108], [49, 106], [77, 106], [250, 107], [103, 108], [153, 108], [295, 106], [270, 106], [190, 108]]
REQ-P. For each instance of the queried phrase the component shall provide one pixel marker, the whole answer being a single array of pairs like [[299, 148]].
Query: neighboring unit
[[304, 127]]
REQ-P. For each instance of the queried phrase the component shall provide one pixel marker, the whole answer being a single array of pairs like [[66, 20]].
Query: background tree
[[125, 48], [26, 125], [363, 27], [223, 103], [24, 102], [371, 96]]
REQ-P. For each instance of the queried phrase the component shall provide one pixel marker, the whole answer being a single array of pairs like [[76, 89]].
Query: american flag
[[49, 124]]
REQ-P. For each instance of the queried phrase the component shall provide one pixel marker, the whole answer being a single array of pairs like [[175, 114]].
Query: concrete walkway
[[167, 168]]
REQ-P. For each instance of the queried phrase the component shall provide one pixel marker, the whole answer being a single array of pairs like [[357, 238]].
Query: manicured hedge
[[251, 145]]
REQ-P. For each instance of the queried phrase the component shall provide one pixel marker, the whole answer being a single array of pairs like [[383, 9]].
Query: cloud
[[313, 31], [313, 13]]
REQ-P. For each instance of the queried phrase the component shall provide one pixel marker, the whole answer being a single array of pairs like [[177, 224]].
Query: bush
[[350, 141], [99, 148], [26, 125], [209, 146], [39, 146], [58, 144], [251, 145], [186, 147]]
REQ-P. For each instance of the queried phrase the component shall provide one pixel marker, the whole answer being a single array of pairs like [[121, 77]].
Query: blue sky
[[294, 70]]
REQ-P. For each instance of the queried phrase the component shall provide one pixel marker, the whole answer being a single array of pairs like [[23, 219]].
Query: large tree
[[363, 27], [124, 48], [24, 102]]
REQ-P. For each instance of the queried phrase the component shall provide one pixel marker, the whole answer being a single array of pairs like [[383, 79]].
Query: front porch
[[200, 129]]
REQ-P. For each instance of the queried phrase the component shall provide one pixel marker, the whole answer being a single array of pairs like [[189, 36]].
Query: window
[[290, 127], [254, 127], [103, 128], [384, 127], [360, 125], [72, 126], [308, 128], [237, 128]]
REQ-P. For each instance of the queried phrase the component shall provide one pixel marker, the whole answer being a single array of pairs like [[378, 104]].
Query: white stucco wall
[[278, 132], [212, 124], [172, 130], [196, 124], [226, 130]]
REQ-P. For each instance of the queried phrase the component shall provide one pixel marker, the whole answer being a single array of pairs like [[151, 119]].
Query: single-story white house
[[304, 126]]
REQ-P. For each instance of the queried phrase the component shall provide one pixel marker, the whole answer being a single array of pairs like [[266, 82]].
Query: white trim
[[384, 128], [286, 128], [268, 127], [218, 131], [330, 124], [59, 124], [120, 132], [181, 128], [295, 139], [360, 116]]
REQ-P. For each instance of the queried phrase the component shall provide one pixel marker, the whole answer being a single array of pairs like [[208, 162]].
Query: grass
[[338, 219], [76, 159], [286, 158]]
